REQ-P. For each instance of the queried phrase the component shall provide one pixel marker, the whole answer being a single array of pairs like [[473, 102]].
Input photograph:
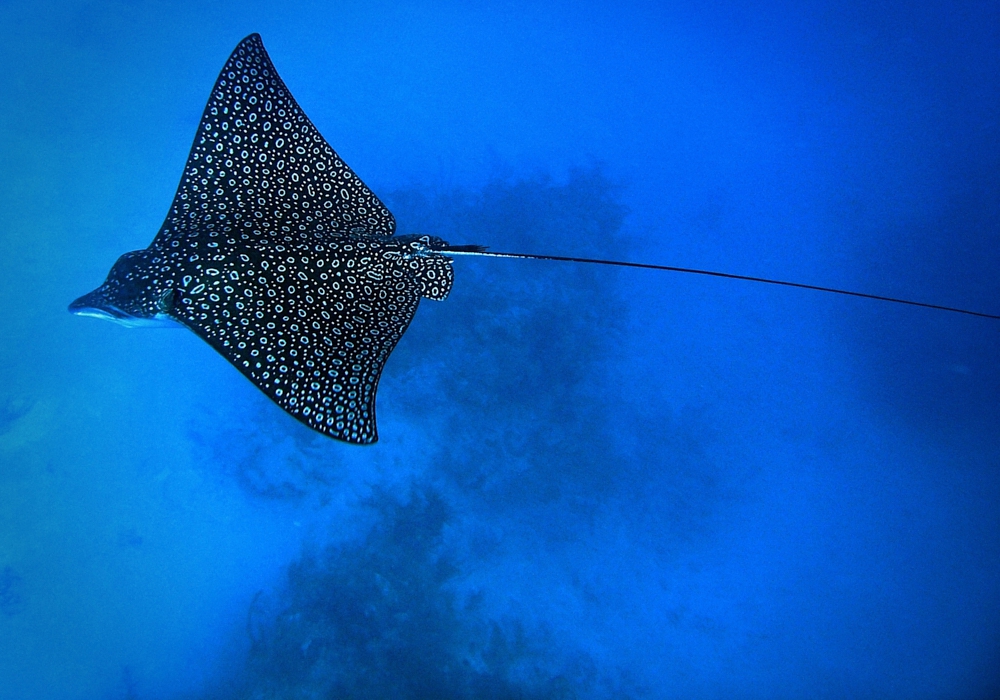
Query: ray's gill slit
[[283, 260]]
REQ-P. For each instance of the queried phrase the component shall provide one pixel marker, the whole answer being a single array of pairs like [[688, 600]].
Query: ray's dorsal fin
[[259, 169]]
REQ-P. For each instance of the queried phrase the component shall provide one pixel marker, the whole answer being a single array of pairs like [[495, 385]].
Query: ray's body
[[279, 256]]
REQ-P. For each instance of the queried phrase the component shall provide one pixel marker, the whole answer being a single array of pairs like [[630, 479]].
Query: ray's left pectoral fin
[[254, 150], [328, 388]]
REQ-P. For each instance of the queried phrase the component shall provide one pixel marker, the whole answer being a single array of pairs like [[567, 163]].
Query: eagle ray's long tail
[[481, 251]]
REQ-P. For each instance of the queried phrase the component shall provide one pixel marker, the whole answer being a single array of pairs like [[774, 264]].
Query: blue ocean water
[[590, 483]]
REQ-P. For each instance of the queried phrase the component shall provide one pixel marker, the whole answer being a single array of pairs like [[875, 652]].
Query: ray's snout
[[88, 302], [96, 305]]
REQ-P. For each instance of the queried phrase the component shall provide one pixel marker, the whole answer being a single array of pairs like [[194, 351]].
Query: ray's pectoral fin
[[314, 343], [252, 135]]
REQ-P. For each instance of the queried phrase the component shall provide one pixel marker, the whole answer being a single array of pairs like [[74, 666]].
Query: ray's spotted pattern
[[279, 256]]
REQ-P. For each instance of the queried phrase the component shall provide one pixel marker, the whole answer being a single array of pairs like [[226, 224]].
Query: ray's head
[[132, 294]]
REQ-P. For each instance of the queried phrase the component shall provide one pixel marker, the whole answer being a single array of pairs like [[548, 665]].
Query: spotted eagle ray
[[277, 254]]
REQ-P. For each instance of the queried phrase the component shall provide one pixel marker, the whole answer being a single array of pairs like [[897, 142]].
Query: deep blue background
[[590, 483]]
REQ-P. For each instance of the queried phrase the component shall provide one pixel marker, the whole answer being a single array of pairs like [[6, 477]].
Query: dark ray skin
[[279, 256]]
